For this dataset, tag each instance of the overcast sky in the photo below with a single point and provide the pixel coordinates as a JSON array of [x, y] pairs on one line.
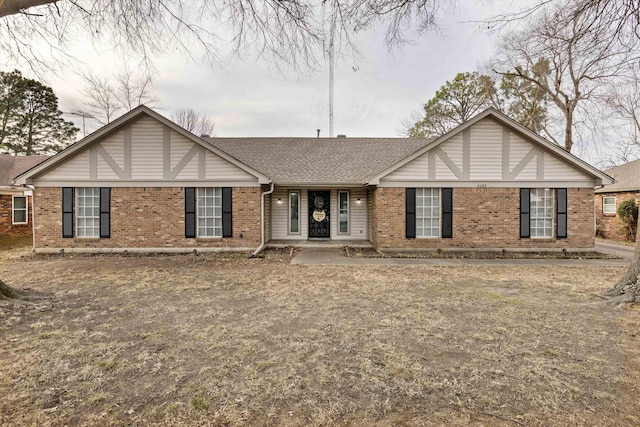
[[375, 94]]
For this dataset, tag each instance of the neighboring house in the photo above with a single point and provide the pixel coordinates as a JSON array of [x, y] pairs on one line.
[[15, 201], [608, 198], [142, 183]]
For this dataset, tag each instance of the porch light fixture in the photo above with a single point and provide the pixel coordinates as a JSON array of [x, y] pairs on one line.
[[279, 201], [358, 200]]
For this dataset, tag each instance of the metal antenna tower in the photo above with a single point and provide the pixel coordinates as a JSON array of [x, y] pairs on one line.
[[331, 66]]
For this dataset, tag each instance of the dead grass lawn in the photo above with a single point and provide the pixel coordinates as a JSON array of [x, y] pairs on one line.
[[204, 340]]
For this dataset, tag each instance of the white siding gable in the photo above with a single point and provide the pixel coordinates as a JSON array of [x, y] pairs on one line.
[[488, 154], [114, 148], [75, 168], [486, 149], [147, 149], [145, 152], [556, 169]]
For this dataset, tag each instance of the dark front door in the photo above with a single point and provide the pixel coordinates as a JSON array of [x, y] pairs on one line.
[[319, 214]]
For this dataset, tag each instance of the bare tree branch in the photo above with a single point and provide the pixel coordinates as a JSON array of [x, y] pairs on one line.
[[569, 56], [106, 99], [194, 122], [11, 7], [292, 32]]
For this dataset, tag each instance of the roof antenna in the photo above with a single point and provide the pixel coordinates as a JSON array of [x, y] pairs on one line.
[[331, 69], [318, 130]]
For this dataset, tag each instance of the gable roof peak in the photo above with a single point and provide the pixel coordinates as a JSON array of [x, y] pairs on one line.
[[122, 121], [507, 121]]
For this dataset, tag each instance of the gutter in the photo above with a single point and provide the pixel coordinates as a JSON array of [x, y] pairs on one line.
[[33, 214], [262, 222]]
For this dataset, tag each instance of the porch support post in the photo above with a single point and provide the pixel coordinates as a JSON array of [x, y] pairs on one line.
[[262, 222]]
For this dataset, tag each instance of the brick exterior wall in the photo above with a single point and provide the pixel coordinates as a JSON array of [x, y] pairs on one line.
[[6, 226], [482, 218], [147, 217], [609, 225]]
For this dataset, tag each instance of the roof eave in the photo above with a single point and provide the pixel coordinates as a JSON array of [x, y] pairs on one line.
[[606, 189], [318, 184]]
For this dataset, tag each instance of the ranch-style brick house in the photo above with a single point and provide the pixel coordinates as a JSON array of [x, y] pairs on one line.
[[608, 198], [142, 183], [15, 201]]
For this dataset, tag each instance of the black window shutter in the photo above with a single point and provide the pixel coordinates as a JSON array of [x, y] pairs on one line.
[[105, 212], [411, 213], [447, 213], [561, 213], [67, 212], [525, 202], [190, 212], [227, 228]]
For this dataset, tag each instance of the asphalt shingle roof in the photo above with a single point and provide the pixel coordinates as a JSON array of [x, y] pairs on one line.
[[627, 178], [12, 166], [319, 160]]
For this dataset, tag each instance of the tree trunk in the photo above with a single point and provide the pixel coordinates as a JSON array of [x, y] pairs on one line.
[[628, 287], [7, 292], [568, 131], [19, 295]]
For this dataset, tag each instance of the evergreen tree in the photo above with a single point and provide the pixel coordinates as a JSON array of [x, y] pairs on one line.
[[454, 103], [31, 123], [470, 93]]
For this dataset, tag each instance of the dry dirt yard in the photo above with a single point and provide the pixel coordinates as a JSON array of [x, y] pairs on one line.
[[211, 340]]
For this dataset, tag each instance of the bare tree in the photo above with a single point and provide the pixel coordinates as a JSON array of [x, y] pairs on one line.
[[194, 122], [107, 99], [623, 108], [624, 99], [615, 23], [287, 32], [569, 54], [100, 99], [133, 90]]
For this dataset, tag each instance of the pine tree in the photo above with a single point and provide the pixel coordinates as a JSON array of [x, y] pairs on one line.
[[31, 123], [470, 93]]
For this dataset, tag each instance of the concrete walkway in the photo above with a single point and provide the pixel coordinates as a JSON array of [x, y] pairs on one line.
[[337, 256], [625, 252]]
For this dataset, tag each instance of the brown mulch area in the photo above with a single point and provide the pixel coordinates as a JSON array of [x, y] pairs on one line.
[[434, 254]]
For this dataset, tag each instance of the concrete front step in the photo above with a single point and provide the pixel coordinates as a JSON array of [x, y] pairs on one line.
[[319, 243]]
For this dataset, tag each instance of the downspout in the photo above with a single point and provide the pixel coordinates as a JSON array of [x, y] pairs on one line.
[[595, 212], [33, 215], [262, 223]]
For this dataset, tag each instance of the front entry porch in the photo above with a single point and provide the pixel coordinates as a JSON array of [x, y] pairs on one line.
[[318, 243], [321, 217]]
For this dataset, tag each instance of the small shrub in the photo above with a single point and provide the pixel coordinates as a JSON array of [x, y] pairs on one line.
[[199, 403], [628, 214], [600, 228]]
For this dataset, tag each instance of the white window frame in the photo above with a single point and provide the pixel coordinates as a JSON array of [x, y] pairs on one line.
[[83, 231], [212, 222], [605, 204], [14, 209], [421, 197], [289, 212], [348, 212], [548, 194]]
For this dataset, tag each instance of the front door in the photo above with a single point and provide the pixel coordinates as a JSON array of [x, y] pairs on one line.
[[319, 214]]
